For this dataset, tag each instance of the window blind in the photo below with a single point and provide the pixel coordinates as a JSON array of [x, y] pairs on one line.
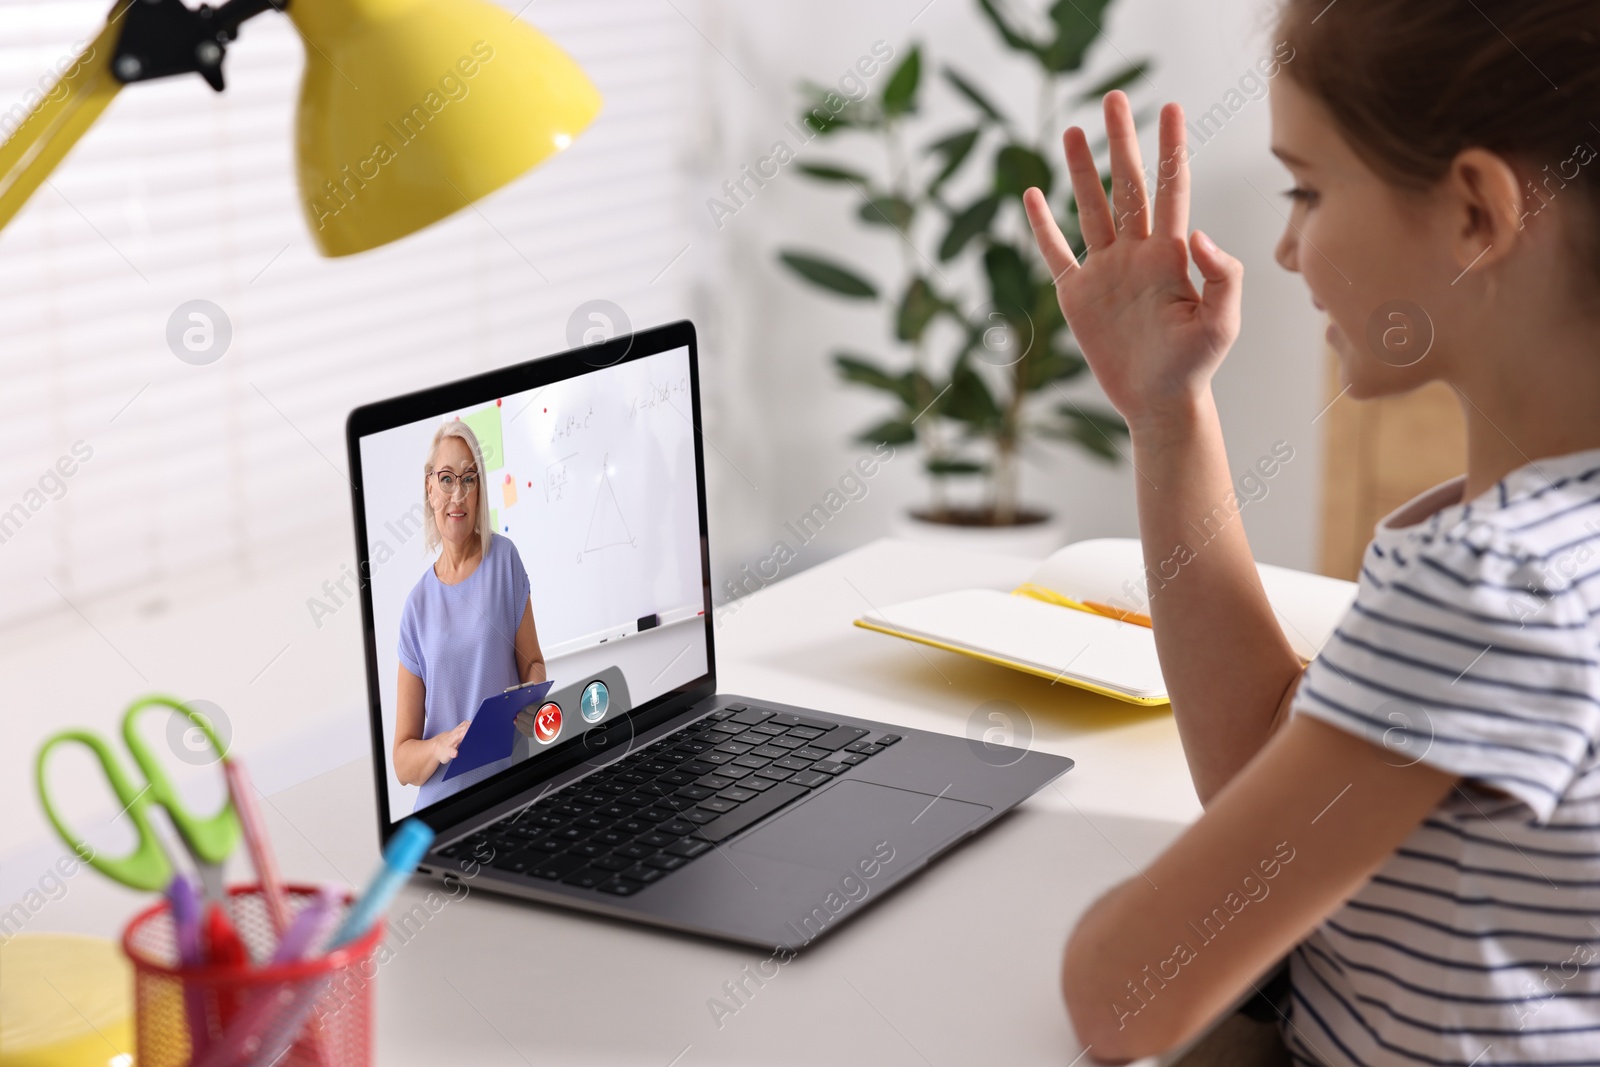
[[180, 194]]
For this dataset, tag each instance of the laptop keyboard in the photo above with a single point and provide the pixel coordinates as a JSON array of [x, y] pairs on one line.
[[637, 820]]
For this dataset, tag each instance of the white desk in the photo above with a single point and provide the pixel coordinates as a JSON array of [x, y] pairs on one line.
[[959, 967]]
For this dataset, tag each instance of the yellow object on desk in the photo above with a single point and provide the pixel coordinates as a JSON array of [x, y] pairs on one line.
[[65, 1001], [1100, 644]]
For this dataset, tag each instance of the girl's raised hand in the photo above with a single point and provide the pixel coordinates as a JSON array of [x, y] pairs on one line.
[[1152, 340]]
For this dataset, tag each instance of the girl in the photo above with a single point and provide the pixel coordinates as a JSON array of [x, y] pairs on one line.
[[1413, 819]]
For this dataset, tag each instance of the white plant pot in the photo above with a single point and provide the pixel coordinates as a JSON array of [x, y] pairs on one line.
[[1035, 540]]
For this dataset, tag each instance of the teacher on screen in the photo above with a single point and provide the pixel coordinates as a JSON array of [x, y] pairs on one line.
[[466, 632]]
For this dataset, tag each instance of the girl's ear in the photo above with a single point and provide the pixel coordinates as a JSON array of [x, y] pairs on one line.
[[1487, 205]]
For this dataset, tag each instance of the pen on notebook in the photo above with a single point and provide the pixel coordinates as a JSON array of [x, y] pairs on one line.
[[1094, 607], [259, 844], [1137, 618], [405, 850]]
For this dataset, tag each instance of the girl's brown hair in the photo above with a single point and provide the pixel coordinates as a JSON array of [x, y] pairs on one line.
[[1411, 83]]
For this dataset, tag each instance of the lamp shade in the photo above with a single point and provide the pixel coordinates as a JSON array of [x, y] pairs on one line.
[[412, 109]]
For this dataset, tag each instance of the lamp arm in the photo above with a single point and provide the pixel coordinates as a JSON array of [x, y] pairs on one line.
[[141, 40], [63, 115]]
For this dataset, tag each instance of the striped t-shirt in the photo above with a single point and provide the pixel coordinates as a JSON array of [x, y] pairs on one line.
[[1471, 647]]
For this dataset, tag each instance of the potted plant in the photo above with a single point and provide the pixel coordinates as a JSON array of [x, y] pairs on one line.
[[980, 369]]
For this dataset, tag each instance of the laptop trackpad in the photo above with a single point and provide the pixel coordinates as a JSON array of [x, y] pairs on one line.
[[840, 827]]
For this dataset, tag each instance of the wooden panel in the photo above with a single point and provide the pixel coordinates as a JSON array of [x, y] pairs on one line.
[[1377, 455]]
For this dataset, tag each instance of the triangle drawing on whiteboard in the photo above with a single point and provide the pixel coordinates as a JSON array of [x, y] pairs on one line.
[[607, 527]]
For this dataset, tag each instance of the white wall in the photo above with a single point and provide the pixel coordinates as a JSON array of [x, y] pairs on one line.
[[777, 405], [778, 421]]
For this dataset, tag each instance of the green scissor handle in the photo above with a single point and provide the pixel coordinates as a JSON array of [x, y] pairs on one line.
[[212, 838], [147, 867]]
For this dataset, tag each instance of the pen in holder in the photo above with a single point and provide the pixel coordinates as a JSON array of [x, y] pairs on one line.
[[326, 999]]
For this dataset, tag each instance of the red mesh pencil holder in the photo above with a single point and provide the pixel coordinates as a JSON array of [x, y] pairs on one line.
[[323, 1002]]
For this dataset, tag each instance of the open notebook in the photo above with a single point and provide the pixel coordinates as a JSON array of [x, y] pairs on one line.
[[1074, 620]]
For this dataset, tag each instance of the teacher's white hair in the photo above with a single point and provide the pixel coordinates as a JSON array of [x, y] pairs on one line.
[[430, 529]]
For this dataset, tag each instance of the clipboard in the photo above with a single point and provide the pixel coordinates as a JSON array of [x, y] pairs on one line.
[[493, 732]]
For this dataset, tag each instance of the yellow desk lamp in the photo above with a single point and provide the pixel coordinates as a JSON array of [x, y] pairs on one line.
[[409, 109]]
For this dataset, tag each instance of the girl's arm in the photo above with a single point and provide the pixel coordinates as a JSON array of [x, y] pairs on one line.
[[1228, 666], [1289, 839], [416, 757], [1153, 342]]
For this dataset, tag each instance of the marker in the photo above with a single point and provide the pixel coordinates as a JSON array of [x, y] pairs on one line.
[[304, 932], [405, 850], [260, 845], [224, 949], [184, 899], [308, 929]]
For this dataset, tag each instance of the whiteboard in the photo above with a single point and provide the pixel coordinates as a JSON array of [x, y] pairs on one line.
[[593, 479], [597, 488]]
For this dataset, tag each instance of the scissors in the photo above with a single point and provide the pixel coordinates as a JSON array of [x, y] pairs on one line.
[[149, 867]]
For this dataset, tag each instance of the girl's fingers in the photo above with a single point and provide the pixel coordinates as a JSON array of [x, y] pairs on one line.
[[1128, 196], [1223, 273], [1172, 177], [1094, 214], [1052, 245]]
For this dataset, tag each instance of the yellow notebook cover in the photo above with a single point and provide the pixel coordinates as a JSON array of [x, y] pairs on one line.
[[1081, 619]]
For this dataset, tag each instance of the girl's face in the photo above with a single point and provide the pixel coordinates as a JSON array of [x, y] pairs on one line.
[[455, 510], [1376, 258]]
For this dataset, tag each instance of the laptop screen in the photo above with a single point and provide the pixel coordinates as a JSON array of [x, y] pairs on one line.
[[547, 535]]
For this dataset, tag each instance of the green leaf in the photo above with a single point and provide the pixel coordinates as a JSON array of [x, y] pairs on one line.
[[919, 304], [891, 432], [954, 150], [941, 468], [829, 275], [967, 224], [853, 368], [1048, 365], [970, 91], [825, 120], [969, 400], [1010, 283], [1012, 37], [1046, 306], [1120, 80], [1094, 430], [1078, 23], [828, 173], [1085, 439], [1017, 167], [911, 387], [822, 124], [900, 94], [888, 211], [1106, 422]]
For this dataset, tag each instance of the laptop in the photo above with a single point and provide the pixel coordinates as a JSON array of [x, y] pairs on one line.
[[631, 786]]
